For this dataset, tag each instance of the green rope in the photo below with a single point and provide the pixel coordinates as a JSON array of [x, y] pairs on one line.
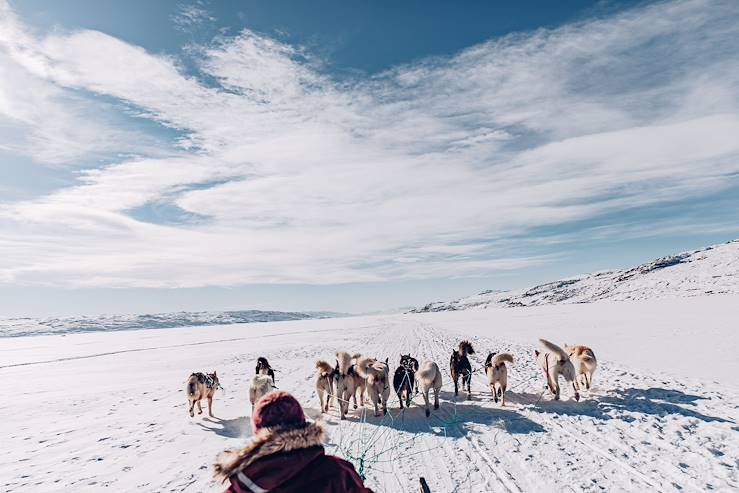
[[369, 450]]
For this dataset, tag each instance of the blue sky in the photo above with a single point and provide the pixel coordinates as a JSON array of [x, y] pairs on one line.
[[354, 156]]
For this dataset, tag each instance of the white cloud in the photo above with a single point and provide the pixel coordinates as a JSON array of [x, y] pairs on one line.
[[421, 171], [52, 125], [190, 16]]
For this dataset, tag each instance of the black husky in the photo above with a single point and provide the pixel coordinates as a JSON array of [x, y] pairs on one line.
[[264, 368], [460, 367], [404, 380]]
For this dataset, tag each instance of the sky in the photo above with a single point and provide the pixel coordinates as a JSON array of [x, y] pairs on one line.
[[354, 156]]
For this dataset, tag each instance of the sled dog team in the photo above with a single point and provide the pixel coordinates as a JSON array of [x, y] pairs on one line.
[[354, 377], [355, 374]]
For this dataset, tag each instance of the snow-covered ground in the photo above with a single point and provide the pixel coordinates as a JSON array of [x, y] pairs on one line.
[[84, 411], [707, 271]]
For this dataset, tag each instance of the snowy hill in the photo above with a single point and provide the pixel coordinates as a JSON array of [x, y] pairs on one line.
[[711, 270], [16, 327]]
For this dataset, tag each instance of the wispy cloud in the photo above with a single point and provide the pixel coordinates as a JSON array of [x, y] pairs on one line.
[[190, 16], [415, 172]]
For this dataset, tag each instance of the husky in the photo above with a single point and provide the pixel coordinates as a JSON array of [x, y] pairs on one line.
[[360, 384], [404, 380], [201, 386], [377, 375], [497, 373], [324, 384], [555, 362], [344, 381], [264, 368], [460, 366], [429, 377], [261, 385], [583, 358]]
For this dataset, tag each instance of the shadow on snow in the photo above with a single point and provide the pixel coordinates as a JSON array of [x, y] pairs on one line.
[[622, 404], [229, 428]]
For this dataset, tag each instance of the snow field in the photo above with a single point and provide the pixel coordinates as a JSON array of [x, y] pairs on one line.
[[110, 410]]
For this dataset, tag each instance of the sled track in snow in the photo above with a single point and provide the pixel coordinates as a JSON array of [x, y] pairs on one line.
[[505, 478]]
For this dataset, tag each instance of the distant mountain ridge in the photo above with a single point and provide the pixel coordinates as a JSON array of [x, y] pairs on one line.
[[17, 327], [710, 270]]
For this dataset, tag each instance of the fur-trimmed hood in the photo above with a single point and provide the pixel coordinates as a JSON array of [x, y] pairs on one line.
[[269, 441], [287, 460]]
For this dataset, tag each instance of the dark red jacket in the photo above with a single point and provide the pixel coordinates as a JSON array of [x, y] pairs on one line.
[[289, 461]]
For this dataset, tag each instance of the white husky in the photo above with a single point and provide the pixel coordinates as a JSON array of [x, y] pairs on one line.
[[260, 386], [585, 363], [555, 362], [377, 375], [497, 373], [344, 381], [360, 384], [429, 377]]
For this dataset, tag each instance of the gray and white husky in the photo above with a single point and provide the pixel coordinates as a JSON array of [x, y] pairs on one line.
[[428, 377], [555, 362], [497, 373]]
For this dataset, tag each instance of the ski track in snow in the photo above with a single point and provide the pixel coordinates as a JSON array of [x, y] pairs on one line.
[[120, 419]]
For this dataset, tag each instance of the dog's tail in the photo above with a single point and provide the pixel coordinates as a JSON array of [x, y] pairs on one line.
[[588, 354], [364, 367], [323, 367], [344, 360], [553, 348], [500, 358], [428, 371], [466, 346]]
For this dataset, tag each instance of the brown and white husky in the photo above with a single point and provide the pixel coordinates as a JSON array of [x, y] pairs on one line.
[[201, 386], [324, 384], [497, 373], [377, 375], [555, 362], [583, 358]]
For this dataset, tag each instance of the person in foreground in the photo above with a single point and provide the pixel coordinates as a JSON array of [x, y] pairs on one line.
[[285, 455]]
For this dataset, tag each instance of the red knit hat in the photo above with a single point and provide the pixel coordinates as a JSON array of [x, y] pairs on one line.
[[277, 409]]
